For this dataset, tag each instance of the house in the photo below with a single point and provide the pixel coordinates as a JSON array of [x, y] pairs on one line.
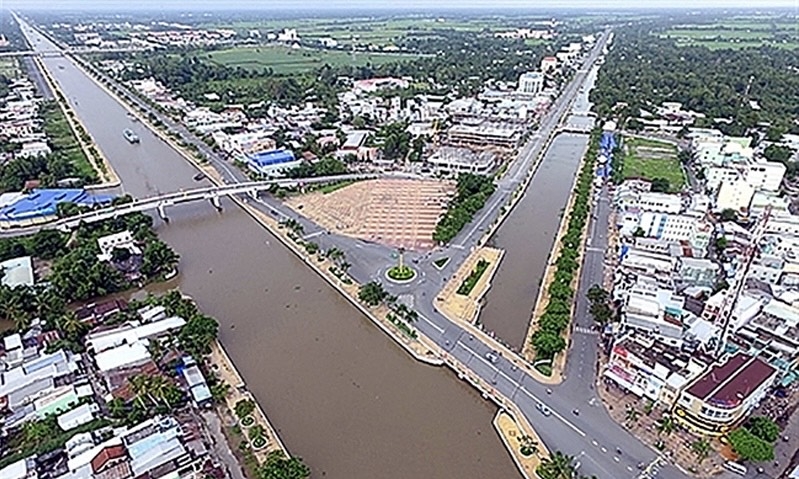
[[122, 240], [17, 272], [272, 163], [132, 332], [725, 394], [195, 382], [34, 378]]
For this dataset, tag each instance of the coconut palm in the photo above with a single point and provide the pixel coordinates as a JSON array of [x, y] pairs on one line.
[[631, 415], [70, 326], [557, 466], [527, 445], [666, 425], [701, 448]]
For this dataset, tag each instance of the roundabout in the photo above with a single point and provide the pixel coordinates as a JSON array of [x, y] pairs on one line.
[[401, 274]]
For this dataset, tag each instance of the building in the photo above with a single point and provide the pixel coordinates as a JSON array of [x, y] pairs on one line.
[[735, 195], [648, 368], [41, 205], [34, 378], [548, 64], [676, 228], [121, 240], [531, 82], [485, 134], [272, 163], [452, 160], [130, 333], [725, 394], [17, 272]]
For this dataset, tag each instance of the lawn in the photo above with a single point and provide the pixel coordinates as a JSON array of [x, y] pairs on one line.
[[285, 60], [650, 159], [63, 139]]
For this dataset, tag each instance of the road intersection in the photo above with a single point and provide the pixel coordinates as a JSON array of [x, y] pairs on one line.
[[577, 423]]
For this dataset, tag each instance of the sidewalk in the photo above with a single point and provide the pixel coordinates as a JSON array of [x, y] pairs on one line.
[[676, 446]]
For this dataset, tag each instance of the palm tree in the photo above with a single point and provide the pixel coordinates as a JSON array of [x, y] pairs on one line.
[[557, 466], [666, 425], [631, 415], [701, 448], [70, 326], [527, 445], [49, 304]]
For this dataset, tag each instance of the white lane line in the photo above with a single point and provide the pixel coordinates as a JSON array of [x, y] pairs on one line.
[[437, 328], [313, 235], [521, 388]]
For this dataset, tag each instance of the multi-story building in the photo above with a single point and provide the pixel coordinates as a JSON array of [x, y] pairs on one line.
[[449, 159], [647, 368], [773, 335], [735, 195], [485, 134], [531, 82], [725, 394], [676, 228]]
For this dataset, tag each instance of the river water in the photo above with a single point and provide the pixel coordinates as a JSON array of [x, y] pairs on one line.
[[340, 393], [527, 236]]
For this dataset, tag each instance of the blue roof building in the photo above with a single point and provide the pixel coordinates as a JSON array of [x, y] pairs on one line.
[[273, 162], [41, 205]]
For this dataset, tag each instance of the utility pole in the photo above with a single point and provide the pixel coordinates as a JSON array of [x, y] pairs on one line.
[[739, 281]]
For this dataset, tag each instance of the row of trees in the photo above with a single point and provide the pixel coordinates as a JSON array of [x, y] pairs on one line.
[[472, 192], [600, 308], [548, 339]]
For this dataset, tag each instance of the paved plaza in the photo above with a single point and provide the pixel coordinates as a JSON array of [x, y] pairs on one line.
[[401, 213]]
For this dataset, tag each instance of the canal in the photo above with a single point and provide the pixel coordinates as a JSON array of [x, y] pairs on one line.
[[341, 394], [528, 234]]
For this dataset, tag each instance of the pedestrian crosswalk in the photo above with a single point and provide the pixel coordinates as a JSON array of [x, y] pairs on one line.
[[652, 469], [584, 330]]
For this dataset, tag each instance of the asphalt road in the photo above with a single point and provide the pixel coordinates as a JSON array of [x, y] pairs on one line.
[[601, 447]]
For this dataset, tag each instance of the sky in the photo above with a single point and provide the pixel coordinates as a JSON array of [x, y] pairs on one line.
[[195, 5]]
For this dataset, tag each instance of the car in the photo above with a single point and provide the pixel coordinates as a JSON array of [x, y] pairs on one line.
[[544, 409], [491, 356]]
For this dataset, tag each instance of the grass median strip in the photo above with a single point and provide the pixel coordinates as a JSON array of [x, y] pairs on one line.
[[469, 283]]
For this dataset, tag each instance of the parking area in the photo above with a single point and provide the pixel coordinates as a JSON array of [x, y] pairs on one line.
[[397, 212]]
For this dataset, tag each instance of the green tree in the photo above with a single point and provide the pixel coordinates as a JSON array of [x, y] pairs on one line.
[[598, 294], [244, 407], [728, 214], [631, 415], [557, 466], [372, 293], [278, 466], [764, 428], [660, 185], [547, 344], [749, 446], [666, 425], [159, 258], [778, 153], [197, 335]]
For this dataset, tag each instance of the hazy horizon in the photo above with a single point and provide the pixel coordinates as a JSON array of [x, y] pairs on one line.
[[287, 5]]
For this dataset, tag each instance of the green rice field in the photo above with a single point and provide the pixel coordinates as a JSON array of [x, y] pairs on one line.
[[286, 60]]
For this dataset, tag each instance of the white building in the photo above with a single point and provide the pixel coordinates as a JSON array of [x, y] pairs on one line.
[[121, 240], [662, 202], [461, 160], [765, 175], [735, 195], [676, 228], [531, 82], [17, 272]]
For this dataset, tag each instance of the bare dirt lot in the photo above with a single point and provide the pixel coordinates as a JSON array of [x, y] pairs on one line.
[[396, 212]]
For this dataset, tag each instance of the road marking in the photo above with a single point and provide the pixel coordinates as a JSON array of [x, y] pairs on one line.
[[438, 328], [313, 235]]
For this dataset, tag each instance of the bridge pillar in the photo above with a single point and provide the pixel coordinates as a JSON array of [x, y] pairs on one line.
[[215, 202], [162, 212]]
